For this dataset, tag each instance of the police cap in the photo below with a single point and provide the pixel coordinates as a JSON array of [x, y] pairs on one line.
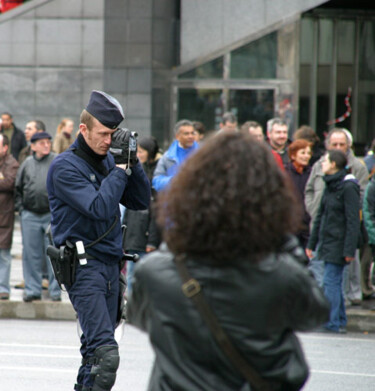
[[106, 109]]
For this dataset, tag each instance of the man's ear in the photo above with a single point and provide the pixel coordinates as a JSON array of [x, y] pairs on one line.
[[83, 129]]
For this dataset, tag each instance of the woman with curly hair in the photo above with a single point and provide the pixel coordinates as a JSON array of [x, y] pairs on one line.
[[226, 214]]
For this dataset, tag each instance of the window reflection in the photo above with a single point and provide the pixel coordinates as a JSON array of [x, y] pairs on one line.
[[201, 105], [210, 70], [257, 60], [366, 95], [252, 105]]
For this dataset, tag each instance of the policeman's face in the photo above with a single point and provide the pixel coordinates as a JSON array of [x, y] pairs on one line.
[[41, 147], [30, 130], [98, 138], [6, 121], [186, 136]]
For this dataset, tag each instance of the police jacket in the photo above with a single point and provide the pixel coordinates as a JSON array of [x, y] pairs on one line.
[[259, 305], [85, 203], [337, 224], [31, 190]]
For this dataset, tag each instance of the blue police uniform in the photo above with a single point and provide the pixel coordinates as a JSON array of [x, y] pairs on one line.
[[84, 204]]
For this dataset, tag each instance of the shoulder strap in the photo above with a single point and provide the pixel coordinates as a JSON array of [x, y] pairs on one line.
[[193, 291], [104, 235]]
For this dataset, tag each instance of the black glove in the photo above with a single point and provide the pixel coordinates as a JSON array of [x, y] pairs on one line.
[[124, 146]]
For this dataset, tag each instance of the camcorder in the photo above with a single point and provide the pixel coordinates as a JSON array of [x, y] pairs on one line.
[[124, 147]]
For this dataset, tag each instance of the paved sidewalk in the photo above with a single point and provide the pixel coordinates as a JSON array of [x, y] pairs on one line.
[[360, 318], [16, 308]]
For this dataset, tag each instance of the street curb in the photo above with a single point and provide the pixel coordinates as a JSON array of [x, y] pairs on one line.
[[361, 320], [36, 310]]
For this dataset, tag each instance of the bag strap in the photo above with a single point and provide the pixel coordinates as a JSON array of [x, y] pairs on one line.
[[104, 235], [193, 291]]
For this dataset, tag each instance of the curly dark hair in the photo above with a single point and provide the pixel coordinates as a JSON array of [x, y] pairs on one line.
[[229, 200]]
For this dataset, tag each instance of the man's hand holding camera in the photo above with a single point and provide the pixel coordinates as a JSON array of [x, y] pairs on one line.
[[124, 149]]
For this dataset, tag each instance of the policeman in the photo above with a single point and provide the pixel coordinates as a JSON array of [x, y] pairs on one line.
[[85, 188]]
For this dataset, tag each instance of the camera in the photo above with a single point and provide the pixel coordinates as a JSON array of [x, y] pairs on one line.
[[124, 146]]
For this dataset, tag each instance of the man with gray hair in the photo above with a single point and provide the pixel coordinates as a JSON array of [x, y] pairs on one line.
[[179, 150], [277, 134], [337, 138]]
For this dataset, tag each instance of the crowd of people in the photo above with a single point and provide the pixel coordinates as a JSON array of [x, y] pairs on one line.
[[350, 238], [25, 158], [220, 204]]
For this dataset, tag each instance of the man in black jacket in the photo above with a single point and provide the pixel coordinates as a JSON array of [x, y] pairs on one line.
[[14, 134]]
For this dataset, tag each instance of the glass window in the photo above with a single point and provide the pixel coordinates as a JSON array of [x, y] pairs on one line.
[[322, 101], [367, 52], [210, 70], [366, 95], [345, 80], [304, 95], [252, 105], [160, 109], [307, 41], [346, 40], [257, 60], [204, 105], [325, 41], [366, 117]]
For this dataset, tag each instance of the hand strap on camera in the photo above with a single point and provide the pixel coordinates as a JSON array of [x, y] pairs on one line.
[[192, 290]]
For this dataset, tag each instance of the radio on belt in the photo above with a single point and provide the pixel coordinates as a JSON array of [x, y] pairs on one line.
[[81, 252]]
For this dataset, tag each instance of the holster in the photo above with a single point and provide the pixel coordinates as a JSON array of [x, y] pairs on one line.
[[64, 261]]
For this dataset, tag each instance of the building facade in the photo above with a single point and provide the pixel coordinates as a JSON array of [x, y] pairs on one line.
[[308, 61]]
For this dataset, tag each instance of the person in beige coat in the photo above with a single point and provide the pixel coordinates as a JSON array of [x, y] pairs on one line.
[[63, 139]]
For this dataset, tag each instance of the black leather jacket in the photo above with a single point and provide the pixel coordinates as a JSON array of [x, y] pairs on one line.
[[258, 305]]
